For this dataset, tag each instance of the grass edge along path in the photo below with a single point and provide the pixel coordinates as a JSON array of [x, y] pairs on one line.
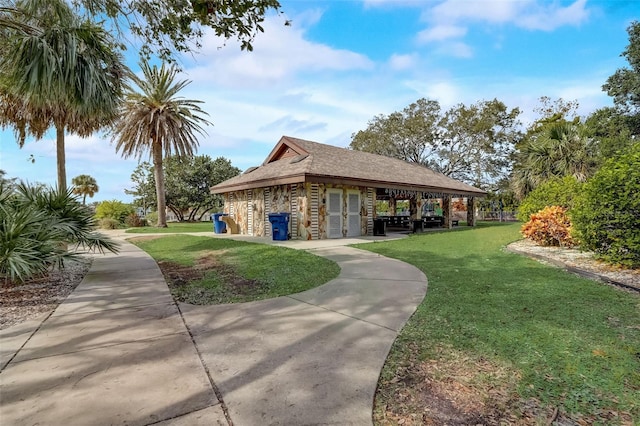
[[502, 338], [203, 270], [173, 228]]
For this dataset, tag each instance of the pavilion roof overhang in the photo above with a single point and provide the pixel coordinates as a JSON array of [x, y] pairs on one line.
[[336, 180], [296, 161]]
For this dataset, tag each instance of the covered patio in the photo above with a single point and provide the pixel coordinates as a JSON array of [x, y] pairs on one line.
[[332, 192]]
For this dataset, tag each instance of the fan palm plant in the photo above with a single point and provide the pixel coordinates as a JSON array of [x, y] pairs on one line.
[[157, 121], [41, 228], [84, 185], [560, 149], [57, 71]]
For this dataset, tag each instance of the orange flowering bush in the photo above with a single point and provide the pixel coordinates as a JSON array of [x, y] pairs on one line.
[[459, 205], [549, 227]]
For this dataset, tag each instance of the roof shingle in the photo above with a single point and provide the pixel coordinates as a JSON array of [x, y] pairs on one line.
[[320, 162]]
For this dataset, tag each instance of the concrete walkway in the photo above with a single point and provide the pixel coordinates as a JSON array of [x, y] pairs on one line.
[[117, 351]]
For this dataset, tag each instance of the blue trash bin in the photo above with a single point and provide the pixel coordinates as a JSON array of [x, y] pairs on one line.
[[219, 227], [279, 226]]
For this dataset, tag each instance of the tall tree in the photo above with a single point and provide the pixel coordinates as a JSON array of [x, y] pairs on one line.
[[144, 190], [411, 134], [611, 130], [169, 26], [57, 70], [188, 181], [477, 142], [157, 121], [551, 110], [84, 185], [470, 143], [624, 85]]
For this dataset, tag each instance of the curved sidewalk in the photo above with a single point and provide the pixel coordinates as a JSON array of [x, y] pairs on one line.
[[117, 350]]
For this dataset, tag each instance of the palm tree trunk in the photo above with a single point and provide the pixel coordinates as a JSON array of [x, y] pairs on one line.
[[159, 175], [62, 171]]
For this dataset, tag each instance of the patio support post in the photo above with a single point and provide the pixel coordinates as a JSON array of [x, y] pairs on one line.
[[392, 206], [447, 211], [471, 211], [413, 209]]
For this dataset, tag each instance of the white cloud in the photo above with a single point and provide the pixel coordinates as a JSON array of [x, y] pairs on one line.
[[529, 14], [441, 32], [494, 11], [280, 54], [450, 19], [399, 62], [392, 3], [554, 16], [446, 92], [456, 49]]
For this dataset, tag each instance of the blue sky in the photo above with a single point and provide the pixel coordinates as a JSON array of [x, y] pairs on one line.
[[342, 62]]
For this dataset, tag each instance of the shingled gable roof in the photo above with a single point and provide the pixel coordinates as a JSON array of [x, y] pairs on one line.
[[295, 160]]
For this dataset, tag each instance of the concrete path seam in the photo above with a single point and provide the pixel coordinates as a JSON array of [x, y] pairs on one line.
[[26, 341], [342, 314], [215, 388]]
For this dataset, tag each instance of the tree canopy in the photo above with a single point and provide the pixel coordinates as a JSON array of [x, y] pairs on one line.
[[169, 26], [470, 143], [624, 85], [84, 185], [57, 70], [187, 183]]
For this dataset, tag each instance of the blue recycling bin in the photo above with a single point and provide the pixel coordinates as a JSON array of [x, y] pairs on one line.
[[279, 226], [219, 227]]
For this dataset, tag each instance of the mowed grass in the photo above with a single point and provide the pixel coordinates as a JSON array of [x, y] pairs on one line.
[[565, 341], [174, 227], [237, 271]]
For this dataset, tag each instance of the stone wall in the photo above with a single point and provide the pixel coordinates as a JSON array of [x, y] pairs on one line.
[[280, 200], [303, 213], [235, 205], [258, 212]]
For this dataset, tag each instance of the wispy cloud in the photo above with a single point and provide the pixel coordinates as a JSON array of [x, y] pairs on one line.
[[450, 19], [399, 62], [441, 32], [529, 14], [280, 53]]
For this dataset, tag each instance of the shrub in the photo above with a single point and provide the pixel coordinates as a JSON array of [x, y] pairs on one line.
[[135, 221], [114, 209], [607, 217], [549, 227], [109, 224], [152, 218], [561, 192], [40, 228], [459, 205]]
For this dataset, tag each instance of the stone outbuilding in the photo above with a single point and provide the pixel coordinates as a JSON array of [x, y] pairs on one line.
[[331, 192]]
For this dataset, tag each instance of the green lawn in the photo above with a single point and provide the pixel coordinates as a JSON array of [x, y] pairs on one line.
[[552, 338], [236, 271], [174, 227]]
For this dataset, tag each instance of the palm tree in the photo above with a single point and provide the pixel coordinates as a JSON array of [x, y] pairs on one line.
[[58, 71], [84, 185], [158, 121], [560, 149]]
